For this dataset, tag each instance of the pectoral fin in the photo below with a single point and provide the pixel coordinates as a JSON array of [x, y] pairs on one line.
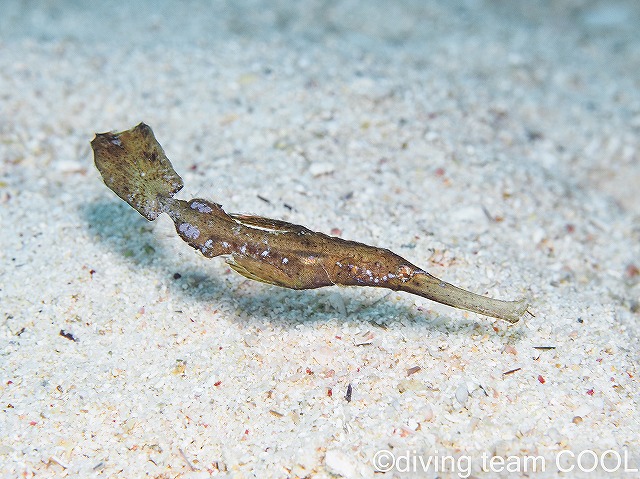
[[258, 270]]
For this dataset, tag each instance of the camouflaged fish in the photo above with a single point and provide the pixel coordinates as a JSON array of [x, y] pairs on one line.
[[134, 165]]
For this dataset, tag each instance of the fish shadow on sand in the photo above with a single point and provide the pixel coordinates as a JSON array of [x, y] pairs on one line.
[[118, 228]]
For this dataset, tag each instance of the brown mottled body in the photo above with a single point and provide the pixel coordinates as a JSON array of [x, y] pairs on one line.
[[135, 167], [283, 253]]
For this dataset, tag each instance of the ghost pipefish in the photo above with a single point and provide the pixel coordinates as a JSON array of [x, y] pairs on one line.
[[134, 165]]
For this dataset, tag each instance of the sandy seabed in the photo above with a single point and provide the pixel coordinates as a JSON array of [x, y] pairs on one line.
[[494, 143]]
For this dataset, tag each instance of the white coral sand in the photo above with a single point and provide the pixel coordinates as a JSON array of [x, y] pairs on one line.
[[495, 143]]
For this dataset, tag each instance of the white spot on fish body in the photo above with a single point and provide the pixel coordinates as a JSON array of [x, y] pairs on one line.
[[201, 207], [285, 260], [189, 230], [225, 244], [265, 253], [243, 249]]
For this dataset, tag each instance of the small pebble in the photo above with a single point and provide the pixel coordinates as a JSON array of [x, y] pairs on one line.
[[462, 393], [427, 413], [321, 168], [340, 464]]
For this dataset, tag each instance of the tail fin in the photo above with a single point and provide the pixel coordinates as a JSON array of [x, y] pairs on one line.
[[435, 289], [133, 165]]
